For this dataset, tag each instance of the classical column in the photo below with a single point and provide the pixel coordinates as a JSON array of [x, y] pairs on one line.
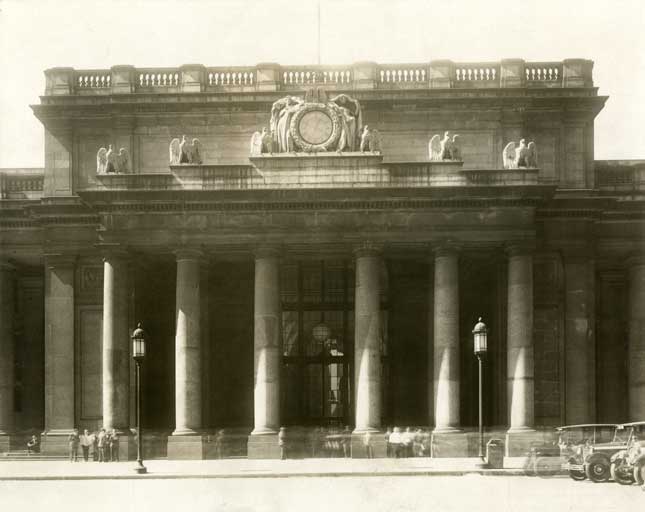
[[7, 300], [116, 341], [188, 383], [636, 350], [59, 351], [580, 372], [446, 339], [520, 338], [267, 342], [367, 339]]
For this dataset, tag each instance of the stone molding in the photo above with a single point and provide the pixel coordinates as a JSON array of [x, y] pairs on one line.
[[189, 253], [520, 248], [446, 248], [367, 248], [60, 260], [636, 259], [268, 251]]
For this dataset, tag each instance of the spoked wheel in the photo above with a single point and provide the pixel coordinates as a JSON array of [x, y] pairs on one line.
[[639, 474], [621, 473], [577, 475], [544, 467], [597, 471]]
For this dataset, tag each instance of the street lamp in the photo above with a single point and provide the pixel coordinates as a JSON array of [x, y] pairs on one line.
[[480, 345], [138, 353]]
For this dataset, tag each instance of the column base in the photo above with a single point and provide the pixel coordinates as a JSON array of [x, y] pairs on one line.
[[264, 446], [186, 446], [379, 446], [55, 442], [449, 443], [519, 440]]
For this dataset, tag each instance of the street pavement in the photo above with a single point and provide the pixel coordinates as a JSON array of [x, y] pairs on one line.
[[391, 493]]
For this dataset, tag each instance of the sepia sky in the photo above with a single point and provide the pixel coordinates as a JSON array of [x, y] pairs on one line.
[[39, 34]]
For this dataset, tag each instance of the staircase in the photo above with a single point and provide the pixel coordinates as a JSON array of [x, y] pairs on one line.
[[25, 455]]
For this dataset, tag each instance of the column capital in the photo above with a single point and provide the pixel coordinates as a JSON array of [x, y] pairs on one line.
[[267, 251], [113, 250], [367, 248], [520, 248], [53, 260], [446, 248], [189, 253], [635, 259]]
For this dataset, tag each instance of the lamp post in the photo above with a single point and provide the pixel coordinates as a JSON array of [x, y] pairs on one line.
[[138, 353], [480, 345]]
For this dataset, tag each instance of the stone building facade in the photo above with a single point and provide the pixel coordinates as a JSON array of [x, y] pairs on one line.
[[321, 289]]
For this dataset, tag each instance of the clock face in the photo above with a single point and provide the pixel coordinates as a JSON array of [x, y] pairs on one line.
[[315, 127]]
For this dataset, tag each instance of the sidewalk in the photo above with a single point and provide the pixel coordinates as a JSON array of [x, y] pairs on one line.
[[244, 468]]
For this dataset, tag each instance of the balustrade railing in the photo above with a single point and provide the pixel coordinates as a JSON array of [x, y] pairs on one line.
[[476, 75], [273, 77], [223, 77], [21, 184], [308, 76]]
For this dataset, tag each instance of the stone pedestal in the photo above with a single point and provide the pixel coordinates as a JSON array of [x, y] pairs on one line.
[[449, 444], [446, 340], [367, 339], [267, 339], [520, 343], [7, 300], [636, 357], [116, 342], [579, 336], [187, 447], [263, 446], [59, 351], [188, 382]]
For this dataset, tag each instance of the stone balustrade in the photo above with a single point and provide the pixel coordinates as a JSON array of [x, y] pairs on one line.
[[364, 75], [21, 184], [620, 175]]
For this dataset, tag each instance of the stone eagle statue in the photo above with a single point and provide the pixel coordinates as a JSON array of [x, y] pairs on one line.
[[108, 161], [519, 155], [261, 142], [185, 152], [370, 140], [446, 148]]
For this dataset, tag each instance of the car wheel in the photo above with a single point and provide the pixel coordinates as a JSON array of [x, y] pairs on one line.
[[639, 473], [621, 473], [544, 467], [597, 470], [577, 475]]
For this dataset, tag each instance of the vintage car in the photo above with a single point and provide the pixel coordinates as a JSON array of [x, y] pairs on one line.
[[628, 465], [587, 449]]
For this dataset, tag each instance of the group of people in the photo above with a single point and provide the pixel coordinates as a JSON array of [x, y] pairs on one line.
[[100, 446], [405, 443]]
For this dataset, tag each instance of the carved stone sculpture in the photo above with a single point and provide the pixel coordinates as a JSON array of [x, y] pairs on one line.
[[261, 142], [195, 152], [111, 157], [174, 152], [370, 140], [313, 124], [101, 161], [184, 151], [446, 148], [519, 155], [123, 161]]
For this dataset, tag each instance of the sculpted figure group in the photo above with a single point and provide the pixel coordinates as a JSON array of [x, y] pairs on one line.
[[446, 148], [519, 155], [186, 152], [109, 162], [348, 132]]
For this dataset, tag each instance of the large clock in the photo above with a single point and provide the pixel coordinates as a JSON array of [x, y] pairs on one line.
[[315, 127]]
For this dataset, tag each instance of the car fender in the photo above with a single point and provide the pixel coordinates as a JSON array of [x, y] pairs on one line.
[[597, 457]]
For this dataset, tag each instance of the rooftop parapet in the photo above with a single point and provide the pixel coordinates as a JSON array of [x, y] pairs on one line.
[[438, 74]]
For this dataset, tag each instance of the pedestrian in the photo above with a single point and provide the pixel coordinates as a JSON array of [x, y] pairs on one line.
[[114, 446], [367, 443], [282, 443], [406, 442], [95, 445], [346, 441], [219, 441], [74, 441], [388, 447], [395, 442], [102, 444], [86, 442], [33, 445]]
